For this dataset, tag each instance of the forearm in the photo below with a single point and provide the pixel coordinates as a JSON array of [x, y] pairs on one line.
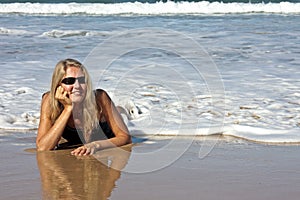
[[50, 139], [113, 142], [92, 147]]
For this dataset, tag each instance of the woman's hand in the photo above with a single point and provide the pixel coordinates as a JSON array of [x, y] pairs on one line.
[[86, 149], [63, 96]]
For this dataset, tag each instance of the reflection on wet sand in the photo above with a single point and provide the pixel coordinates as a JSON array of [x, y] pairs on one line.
[[65, 176]]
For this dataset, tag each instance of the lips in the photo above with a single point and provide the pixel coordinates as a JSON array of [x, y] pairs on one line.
[[77, 93]]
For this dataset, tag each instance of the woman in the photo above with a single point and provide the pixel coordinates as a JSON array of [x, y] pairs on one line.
[[74, 112]]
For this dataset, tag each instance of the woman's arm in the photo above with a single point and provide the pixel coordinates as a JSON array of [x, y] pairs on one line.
[[114, 120], [50, 134], [116, 123]]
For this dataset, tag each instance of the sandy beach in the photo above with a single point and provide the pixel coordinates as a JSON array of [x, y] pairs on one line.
[[233, 169]]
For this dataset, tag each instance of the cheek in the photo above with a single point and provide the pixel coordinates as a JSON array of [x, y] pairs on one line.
[[68, 88], [84, 88]]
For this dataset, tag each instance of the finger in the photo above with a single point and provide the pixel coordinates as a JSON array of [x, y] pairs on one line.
[[87, 152], [68, 94], [92, 151], [65, 95], [82, 152], [59, 92], [77, 151], [74, 152]]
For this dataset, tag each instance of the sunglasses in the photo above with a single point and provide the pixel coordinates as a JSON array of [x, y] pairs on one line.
[[72, 80]]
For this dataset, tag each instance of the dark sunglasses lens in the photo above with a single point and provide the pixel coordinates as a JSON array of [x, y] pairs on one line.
[[81, 79], [69, 81]]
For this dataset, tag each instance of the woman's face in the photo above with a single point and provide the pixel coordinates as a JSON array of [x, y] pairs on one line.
[[77, 89]]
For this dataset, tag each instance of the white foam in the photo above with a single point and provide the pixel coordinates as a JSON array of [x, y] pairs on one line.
[[6, 31], [20, 96], [265, 135], [251, 133], [64, 33], [24, 122], [159, 8], [75, 33]]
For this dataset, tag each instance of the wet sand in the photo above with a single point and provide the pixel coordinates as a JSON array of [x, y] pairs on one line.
[[233, 169]]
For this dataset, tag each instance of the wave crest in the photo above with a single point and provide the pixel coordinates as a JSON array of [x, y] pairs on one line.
[[5, 31], [159, 8]]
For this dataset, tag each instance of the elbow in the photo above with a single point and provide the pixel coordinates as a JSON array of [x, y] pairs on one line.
[[128, 139], [40, 147], [125, 139]]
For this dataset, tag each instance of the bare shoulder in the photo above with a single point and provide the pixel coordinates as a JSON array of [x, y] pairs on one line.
[[100, 92], [102, 96], [45, 104], [46, 97]]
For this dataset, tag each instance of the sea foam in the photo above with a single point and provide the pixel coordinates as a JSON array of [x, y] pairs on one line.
[[158, 8]]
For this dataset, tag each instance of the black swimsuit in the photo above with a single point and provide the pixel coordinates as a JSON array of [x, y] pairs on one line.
[[75, 137]]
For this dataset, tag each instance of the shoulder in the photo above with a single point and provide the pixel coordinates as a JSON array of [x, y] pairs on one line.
[[101, 94], [46, 98], [46, 95], [45, 104]]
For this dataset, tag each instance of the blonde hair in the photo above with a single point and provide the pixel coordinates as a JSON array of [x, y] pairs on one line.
[[90, 108]]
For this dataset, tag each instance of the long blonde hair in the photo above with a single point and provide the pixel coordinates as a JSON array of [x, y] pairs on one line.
[[90, 108]]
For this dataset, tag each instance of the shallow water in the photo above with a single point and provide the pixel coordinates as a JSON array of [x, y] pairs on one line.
[[253, 92]]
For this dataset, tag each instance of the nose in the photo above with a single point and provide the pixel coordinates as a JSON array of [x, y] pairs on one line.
[[76, 84]]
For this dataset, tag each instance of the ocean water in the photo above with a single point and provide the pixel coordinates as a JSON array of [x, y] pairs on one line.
[[176, 67]]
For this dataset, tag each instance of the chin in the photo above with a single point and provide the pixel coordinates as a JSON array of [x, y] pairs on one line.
[[77, 99]]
